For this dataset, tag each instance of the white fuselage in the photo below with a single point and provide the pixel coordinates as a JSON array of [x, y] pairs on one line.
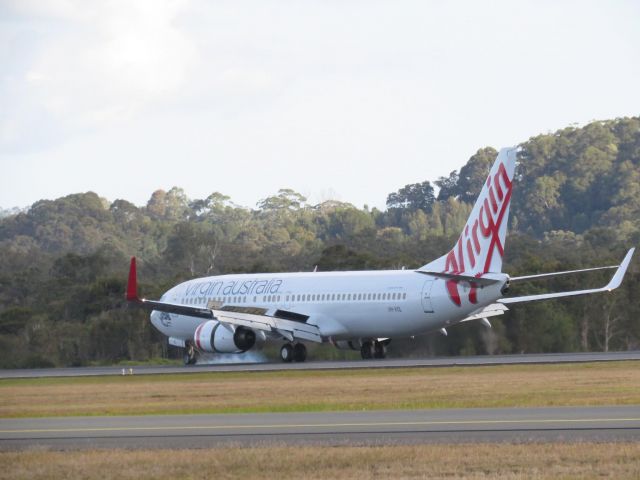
[[343, 305]]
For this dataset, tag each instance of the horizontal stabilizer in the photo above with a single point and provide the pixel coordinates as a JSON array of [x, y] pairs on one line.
[[461, 278], [614, 283], [488, 311]]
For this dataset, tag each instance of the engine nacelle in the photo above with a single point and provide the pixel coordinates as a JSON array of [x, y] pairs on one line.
[[347, 345], [214, 337]]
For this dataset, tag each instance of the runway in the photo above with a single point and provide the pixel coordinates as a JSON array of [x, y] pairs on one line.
[[480, 360], [326, 428]]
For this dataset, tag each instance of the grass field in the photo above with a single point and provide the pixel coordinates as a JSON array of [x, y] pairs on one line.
[[616, 383], [470, 461]]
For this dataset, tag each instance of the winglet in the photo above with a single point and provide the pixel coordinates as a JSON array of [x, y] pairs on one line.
[[132, 284], [616, 280]]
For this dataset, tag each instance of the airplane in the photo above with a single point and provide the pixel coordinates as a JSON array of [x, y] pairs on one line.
[[358, 310]]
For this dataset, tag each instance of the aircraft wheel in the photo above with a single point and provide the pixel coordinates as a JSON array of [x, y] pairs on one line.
[[367, 350], [286, 353], [299, 352], [189, 356], [379, 350]]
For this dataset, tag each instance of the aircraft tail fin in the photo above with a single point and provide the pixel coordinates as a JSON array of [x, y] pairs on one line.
[[480, 247]]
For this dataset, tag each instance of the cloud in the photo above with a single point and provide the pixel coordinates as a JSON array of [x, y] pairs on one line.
[[89, 65]]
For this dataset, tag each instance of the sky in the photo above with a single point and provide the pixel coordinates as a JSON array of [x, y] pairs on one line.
[[347, 100]]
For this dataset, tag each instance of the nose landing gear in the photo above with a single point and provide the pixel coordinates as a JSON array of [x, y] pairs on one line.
[[190, 355]]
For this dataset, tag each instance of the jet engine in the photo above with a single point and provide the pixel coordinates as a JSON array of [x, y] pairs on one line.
[[214, 337]]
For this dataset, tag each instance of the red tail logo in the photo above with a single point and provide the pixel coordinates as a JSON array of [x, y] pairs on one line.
[[468, 251]]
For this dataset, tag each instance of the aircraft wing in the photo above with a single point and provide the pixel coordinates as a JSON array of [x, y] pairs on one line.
[[293, 327], [289, 329], [614, 283]]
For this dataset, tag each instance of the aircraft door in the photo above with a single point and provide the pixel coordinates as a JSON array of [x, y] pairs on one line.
[[426, 297]]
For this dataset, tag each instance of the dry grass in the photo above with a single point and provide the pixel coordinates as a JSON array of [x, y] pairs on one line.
[[494, 386], [470, 461]]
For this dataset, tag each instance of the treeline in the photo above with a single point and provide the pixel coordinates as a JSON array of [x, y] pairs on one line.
[[576, 203]]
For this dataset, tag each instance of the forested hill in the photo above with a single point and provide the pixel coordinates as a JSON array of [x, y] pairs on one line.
[[576, 203]]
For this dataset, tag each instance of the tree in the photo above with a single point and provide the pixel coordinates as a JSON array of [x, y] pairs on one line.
[[474, 173], [415, 196], [576, 203], [448, 186], [171, 205], [212, 206], [286, 199]]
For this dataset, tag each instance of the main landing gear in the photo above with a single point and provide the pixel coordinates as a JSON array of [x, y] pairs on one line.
[[190, 355], [293, 352], [373, 349]]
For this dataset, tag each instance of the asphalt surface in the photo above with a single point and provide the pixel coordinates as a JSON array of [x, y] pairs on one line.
[[327, 365], [564, 424]]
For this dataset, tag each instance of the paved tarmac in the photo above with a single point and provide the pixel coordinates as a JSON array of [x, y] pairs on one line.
[[563, 424], [328, 365]]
